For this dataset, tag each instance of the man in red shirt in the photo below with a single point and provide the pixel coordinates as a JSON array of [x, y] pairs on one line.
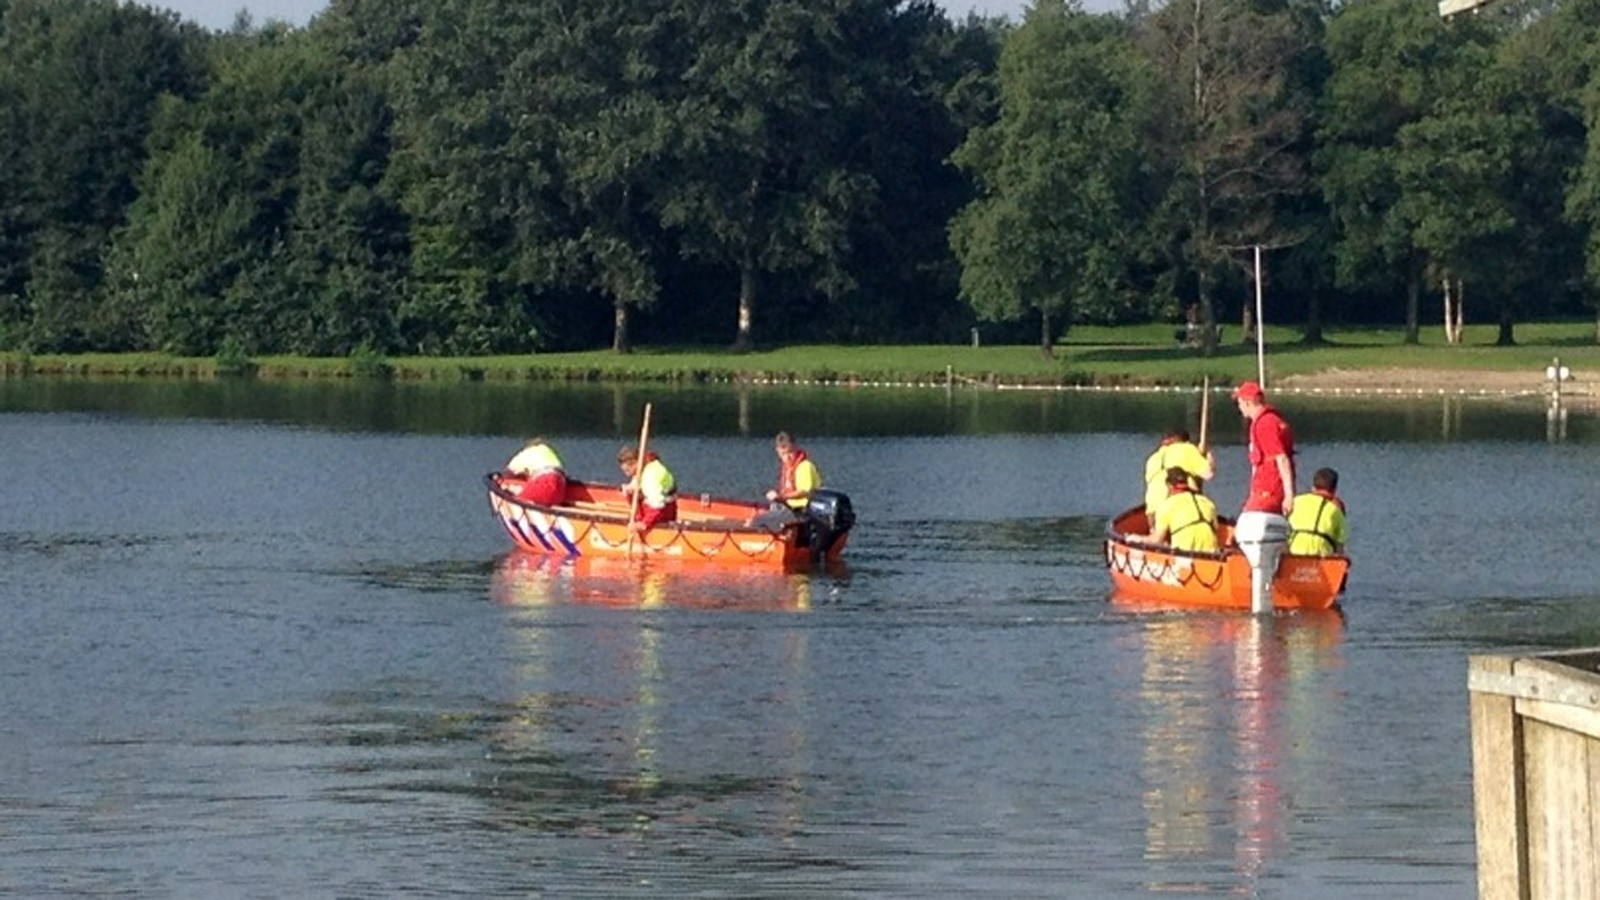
[[1263, 527]]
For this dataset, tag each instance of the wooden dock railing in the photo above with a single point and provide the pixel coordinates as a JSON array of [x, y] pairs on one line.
[[1536, 775]]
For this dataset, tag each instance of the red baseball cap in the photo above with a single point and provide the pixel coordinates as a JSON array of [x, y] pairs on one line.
[[1248, 391]]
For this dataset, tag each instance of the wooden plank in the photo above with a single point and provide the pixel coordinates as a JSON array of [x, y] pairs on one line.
[[1575, 719], [1547, 678], [1560, 833], [1591, 773], [1498, 803]]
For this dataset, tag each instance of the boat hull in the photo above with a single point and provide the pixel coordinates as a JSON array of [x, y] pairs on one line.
[[593, 523], [1158, 575]]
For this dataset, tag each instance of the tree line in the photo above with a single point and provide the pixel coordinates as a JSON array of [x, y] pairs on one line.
[[462, 177]]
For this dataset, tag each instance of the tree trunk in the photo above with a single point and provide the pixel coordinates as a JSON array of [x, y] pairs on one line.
[[1313, 320], [619, 328], [1450, 313], [1507, 322], [1047, 341], [1208, 319], [745, 341], [1413, 304]]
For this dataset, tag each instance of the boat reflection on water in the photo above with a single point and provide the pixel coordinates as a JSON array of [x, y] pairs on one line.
[[605, 735], [1231, 740], [525, 579]]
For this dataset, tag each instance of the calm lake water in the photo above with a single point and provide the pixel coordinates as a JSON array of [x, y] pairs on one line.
[[265, 640]]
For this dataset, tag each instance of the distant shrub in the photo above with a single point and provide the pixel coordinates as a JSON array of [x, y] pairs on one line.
[[367, 361], [232, 361]]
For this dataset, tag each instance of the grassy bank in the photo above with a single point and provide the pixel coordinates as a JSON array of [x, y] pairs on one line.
[[1138, 355]]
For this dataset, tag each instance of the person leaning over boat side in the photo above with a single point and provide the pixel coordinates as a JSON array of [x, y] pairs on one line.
[[1186, 519], [1175, 450], [545, 478], [1317, 524], [658, 490], [1263, 528]]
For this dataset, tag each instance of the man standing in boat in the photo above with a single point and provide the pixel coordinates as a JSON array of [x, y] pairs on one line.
[[1178, 450], [657, 489], [1263, 527], [544, 478]]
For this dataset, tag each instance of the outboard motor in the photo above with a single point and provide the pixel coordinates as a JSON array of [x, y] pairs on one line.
[[828, 517]]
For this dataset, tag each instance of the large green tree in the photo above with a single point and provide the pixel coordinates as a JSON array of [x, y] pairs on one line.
[[592, 95], [1059, 174], [204, 256], [1390, 61], [767, 180], [78, 82], [1235, 123], [1482, 173], [475, 196], [1576, 25]]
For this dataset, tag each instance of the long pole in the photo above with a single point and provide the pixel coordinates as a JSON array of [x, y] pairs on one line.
[[1261, 329], [1205, 412], [638, 470]]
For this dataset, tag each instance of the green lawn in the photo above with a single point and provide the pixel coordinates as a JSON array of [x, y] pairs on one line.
[[1145, 354]]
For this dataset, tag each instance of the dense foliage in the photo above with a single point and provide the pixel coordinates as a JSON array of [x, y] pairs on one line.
[[425, 177]]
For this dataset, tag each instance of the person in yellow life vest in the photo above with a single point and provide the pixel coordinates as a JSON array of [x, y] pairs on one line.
[[658, 490], [1176, 450], [544, 478], [1317, 525], [1187, 519], [798, 476]]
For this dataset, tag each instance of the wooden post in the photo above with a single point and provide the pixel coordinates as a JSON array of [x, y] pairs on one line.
[[1497, 788], [638, 471]]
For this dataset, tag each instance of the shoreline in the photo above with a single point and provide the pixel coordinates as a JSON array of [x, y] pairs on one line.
[[1397, 382]]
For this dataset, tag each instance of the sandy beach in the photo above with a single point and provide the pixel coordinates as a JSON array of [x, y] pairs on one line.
[[1419, 382]]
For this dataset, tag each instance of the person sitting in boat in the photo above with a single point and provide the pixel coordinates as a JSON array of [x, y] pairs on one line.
[[1317, 525], [1186, 519], [658, 490], [1175, 450], [545, 479], [798, 477]]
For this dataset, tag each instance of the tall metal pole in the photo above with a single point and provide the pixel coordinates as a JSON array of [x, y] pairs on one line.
[[1261, 329]]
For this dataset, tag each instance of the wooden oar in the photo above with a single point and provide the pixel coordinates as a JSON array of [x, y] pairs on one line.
[[1205, 412], [638, 480]]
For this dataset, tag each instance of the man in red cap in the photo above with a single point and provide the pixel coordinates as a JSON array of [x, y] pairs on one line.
[[1271, 452], [1263, 527]]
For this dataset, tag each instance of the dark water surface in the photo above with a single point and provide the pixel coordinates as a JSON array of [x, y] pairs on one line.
[[264, 640]]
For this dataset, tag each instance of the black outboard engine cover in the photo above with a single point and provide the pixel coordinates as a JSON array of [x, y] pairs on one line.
[[828, 517]]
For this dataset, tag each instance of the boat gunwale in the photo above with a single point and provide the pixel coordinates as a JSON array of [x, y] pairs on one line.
[[1228, 551], [710, 526]]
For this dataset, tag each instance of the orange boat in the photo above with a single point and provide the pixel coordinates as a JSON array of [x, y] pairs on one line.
[[593, 522], [1156, 574]]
